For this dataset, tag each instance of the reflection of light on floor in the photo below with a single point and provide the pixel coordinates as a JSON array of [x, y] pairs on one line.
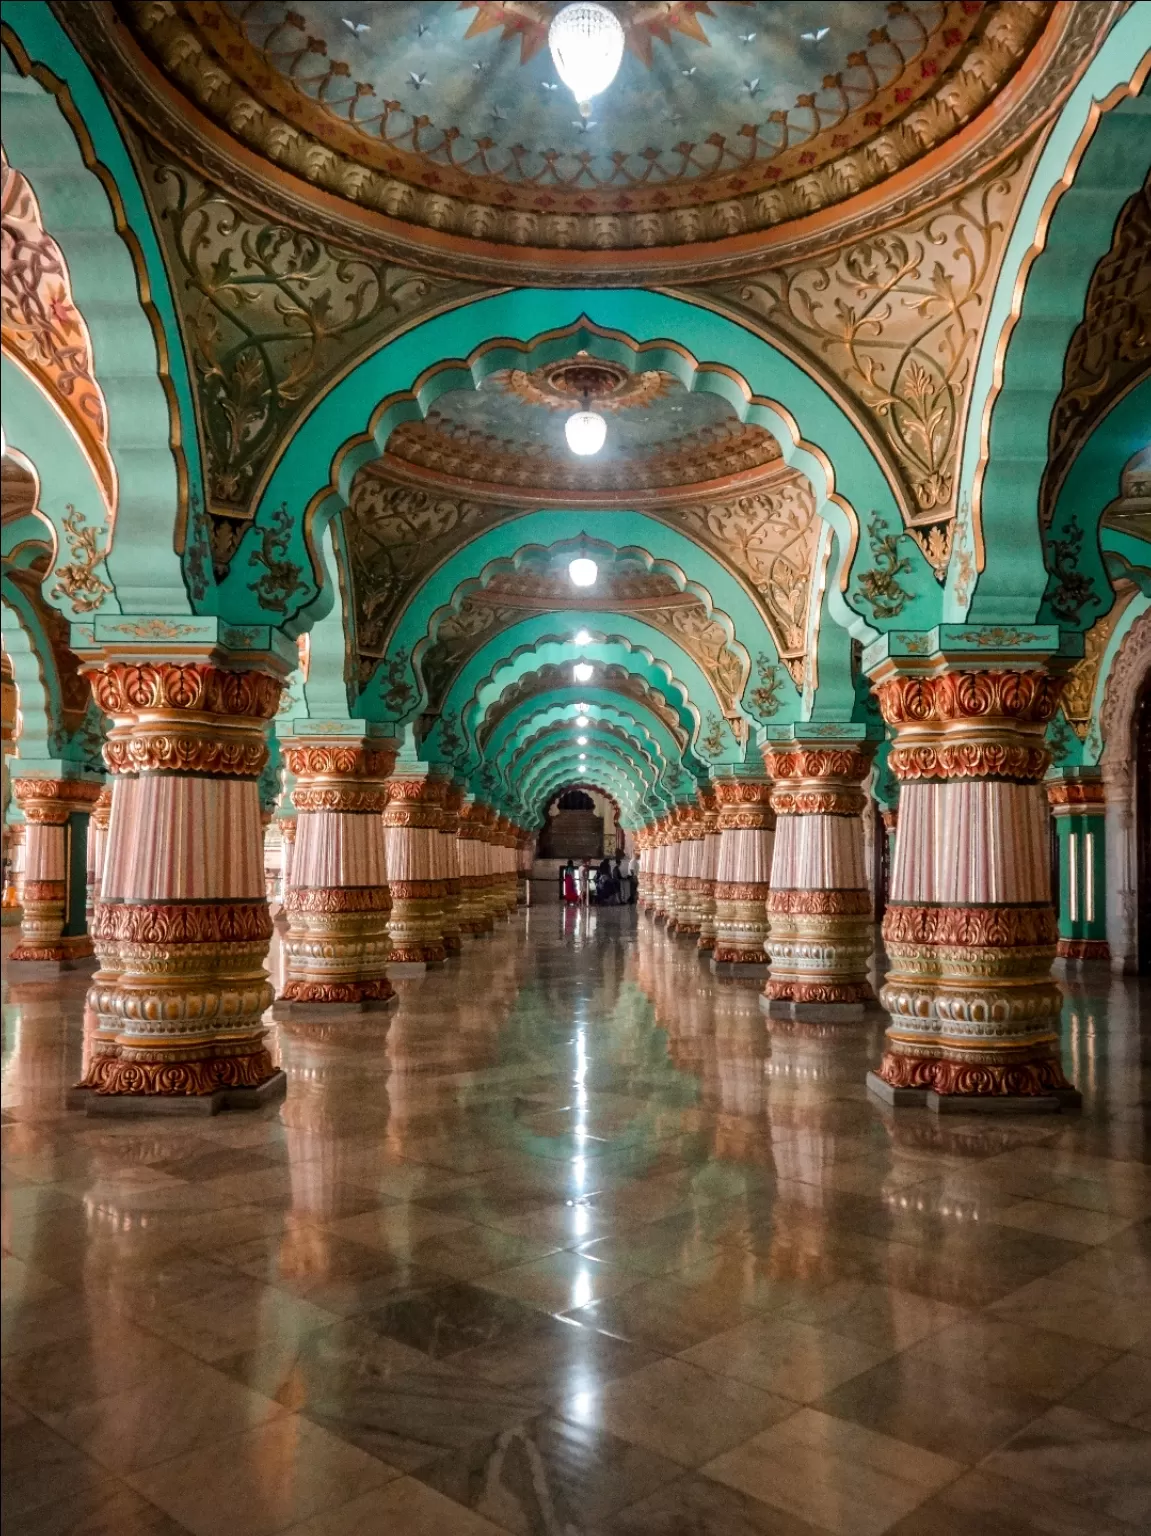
[[582, 1289]]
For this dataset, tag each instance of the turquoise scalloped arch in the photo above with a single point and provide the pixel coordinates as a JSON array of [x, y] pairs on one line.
[[705, 350], [1050, 257], [152, 435]]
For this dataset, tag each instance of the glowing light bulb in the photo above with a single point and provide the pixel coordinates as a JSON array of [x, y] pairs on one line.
[[581, 741], [583, 672], [582, 720], [586, 433], [583, 572], [583, 637], [586, 43], [583, 757]]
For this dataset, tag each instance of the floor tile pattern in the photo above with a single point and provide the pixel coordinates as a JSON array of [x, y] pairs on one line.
[[573, 1242]]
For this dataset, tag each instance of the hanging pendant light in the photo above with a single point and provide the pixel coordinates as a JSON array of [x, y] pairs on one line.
[[586, 431], [586, 43]]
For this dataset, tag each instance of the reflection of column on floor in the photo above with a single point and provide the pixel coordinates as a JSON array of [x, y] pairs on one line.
[[745, 826], [182, 925], [336, 950], [819, 909], [53, 924], [970, 930], [708, 868], [412, 824], [1078, 807]]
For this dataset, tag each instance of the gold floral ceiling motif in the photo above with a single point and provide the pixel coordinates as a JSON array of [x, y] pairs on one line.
[[1110, 351], [398, 533], [739, 118], [271, 315], [42, 328], [896, 319]]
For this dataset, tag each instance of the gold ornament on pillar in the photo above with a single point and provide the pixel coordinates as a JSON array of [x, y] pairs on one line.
[[970, 930], [413, 819], [745, 824], [819, 907], [48, 806], [337, 947], [182, 924]]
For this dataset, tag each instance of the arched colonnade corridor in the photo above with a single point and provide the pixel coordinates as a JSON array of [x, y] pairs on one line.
[[354, 1178]]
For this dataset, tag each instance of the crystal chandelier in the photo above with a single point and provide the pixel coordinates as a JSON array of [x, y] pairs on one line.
[[586, 43]]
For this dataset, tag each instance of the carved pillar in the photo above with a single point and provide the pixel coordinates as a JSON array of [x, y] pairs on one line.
[[709, 867], [688, 915], [288, 828], [819, 909], [449, 860], [337, 950], [745, 824], [639, 866], [503, 843], [660, 862], [969, 929], [14, 872], [54, 925], [1078, 806], [474, 918], [672, 837], [412, 832], [182, 925], [97, 846]]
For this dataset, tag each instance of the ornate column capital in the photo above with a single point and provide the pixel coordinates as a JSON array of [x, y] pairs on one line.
[[50, 801], [339, 774]]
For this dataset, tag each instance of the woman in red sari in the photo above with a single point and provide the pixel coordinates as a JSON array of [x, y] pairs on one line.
[[568, 876]]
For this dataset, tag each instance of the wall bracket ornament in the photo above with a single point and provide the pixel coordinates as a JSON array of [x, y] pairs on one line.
[[77, 580]]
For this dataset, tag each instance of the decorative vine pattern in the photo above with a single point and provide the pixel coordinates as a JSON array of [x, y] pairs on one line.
[[1070, 591], [879, 585], [897, 318], [77, 580], [281, 579], [42, 325], [764, 697], [271, 314]]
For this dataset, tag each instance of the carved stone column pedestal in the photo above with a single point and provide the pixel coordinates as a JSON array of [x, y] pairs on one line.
[[745, 825], [412, 823], [1077, 798], [472, 855], [182, 924], [819, 909], [337, 904], [709, 866], [969, 929], [53, 924], [449, 863]]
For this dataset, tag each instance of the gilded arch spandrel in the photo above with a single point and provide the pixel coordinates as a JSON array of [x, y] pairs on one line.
[[893, 322]]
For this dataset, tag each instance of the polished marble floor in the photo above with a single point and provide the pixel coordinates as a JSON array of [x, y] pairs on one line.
[[571, 1241]]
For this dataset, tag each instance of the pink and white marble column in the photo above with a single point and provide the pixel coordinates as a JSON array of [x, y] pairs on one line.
[[182, 924], [337, 948], [709, 867], [474, 916], [745, 824], [412, 825], [819, 909], [97, 846], [53, 929], [449, 863]]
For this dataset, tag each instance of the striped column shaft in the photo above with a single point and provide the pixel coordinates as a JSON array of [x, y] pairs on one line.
[[413, 821], [55, 810], [819, 909], [182, 925], [337, 903], [709, 868], [970, 930], [745, 824]]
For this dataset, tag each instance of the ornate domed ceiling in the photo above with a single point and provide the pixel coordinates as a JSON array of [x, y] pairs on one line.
[[508, 435], [445, 128]]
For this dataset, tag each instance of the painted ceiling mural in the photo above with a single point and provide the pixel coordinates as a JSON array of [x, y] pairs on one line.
[[335, 187], [725, 119]]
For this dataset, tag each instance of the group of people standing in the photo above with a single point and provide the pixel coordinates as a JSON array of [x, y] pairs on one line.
[[610, 884]]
